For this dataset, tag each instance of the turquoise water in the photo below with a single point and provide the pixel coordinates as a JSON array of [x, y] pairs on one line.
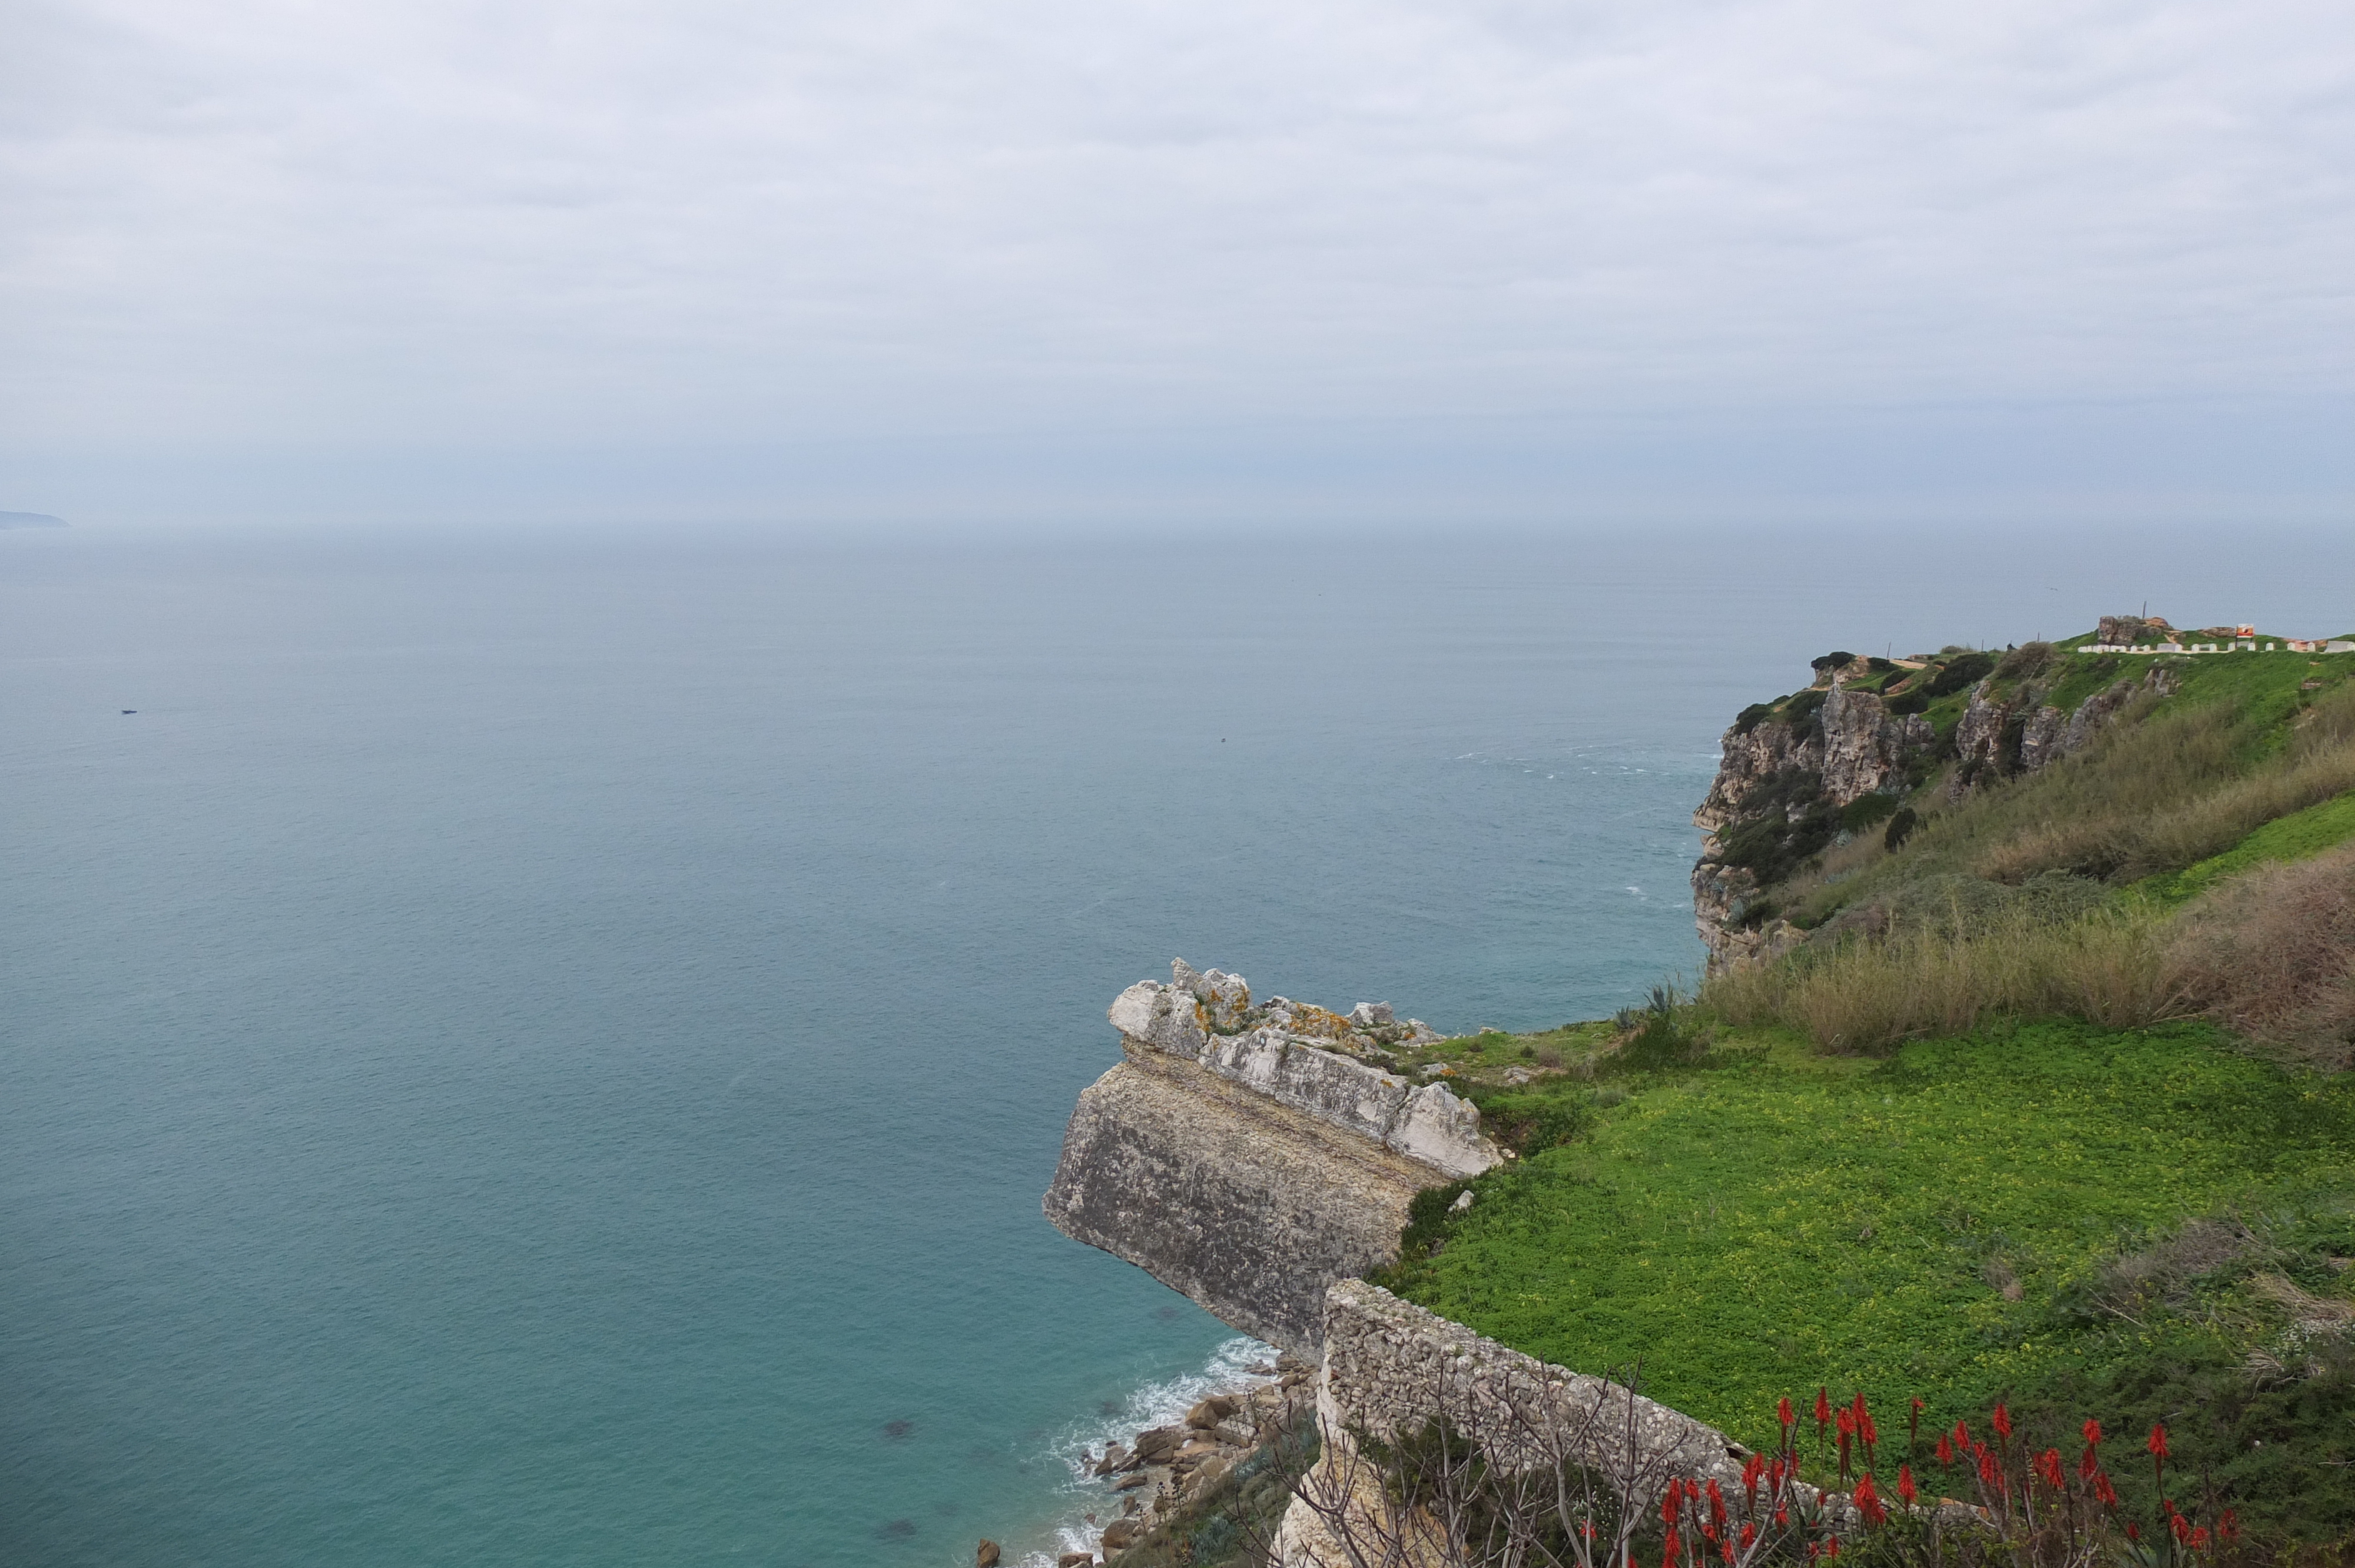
[[547, 1052]]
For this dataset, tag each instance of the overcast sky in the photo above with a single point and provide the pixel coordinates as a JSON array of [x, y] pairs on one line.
[[496, 258]]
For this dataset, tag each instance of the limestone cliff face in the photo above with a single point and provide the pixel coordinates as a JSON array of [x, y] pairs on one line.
[[1852, 743], [1999, 735], [1250, 1156], [1847, 748]]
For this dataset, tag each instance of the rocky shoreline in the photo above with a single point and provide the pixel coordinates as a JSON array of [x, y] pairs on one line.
[[1162, 1469]]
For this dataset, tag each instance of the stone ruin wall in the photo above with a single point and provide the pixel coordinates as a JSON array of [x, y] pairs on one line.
[[1389, 1367]]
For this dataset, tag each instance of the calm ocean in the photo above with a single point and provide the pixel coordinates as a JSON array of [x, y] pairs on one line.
[[542, 1051]]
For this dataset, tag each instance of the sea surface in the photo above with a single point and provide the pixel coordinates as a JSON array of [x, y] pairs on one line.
[[545, 1048]]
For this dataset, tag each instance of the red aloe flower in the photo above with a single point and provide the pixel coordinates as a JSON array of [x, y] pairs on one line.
[[2105, 1493], [1988, 1472], [2002, 1420], [1782, 1516], [2200, 1539], [2180, 1525], [2091, 1465], [2093, 1432], [1961, 1433], [1782, 1411], [1847, 1424], [1946, 1449], [1823, 1410], [1749, 1536], [1716, 1504], [1668, 1549], [2133, 1530], [1905, 1492], [2228, 1527], [2049, 1468], [2157, 1444], [1672, 1504], [1868, 1501]]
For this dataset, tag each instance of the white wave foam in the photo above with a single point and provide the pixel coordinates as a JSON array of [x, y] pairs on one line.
[[1078, 1445]]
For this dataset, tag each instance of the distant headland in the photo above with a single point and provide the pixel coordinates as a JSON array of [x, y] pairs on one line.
[[30, 520]]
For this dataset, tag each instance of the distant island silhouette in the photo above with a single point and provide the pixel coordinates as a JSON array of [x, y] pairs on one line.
[[30, 520]]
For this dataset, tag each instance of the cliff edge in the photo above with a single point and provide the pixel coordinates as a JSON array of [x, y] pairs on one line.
[[1250, 1155]]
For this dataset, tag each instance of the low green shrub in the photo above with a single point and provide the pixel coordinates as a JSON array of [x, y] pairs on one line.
[[1866, 810], [1964, 671]]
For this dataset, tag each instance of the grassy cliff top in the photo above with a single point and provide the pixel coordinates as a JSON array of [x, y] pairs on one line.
[[2050, 1105]]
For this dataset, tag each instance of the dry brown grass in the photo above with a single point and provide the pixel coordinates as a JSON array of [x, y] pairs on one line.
[[2166, 793], [2269, 955], [2272, 956], [2115, 966]]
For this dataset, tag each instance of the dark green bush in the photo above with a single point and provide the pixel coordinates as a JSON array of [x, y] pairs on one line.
[[1866, 810], [1901, 828], [1532, 1121], [1788, 820], [1799, 712], [1967, 670]]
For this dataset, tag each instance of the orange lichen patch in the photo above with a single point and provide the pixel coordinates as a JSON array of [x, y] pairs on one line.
[[1308, 1019]]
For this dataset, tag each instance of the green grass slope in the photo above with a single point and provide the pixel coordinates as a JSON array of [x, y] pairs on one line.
[[1968, 1220]]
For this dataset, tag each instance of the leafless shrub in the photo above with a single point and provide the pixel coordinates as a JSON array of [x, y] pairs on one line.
[[1563, 1476], [2128, 1285]]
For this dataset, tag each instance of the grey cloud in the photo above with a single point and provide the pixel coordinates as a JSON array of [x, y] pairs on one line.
[[438, 226]]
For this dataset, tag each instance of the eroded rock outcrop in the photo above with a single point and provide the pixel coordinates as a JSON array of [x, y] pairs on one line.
[[1787, 776], [2002, 735], [1251, 1155], [1794, 773]]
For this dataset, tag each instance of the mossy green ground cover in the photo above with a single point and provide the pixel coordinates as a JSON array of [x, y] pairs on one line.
[[1781, 1221]]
